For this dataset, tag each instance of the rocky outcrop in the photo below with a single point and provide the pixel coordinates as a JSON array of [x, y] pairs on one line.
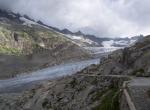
[[77, 92], [132, 60]]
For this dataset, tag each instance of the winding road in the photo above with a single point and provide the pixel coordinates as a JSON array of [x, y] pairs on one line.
[[138, 89]]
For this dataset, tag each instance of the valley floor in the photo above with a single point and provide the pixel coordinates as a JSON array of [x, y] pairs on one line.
[[25, 81]]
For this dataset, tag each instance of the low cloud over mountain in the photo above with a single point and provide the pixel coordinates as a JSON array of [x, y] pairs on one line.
[[100, 17]]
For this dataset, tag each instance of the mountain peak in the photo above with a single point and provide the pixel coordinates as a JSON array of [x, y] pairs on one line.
[[79, 33], [66, 31]]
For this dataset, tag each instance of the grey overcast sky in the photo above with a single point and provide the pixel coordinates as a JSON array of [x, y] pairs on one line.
[[104, 18]]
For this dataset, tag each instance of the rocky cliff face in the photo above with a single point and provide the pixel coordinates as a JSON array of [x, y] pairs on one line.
[[25, 47], [70, 93], [95, 88], [132, 60]]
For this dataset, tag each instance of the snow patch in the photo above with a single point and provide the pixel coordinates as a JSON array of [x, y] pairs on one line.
[[28, 22], [81, 40], [100, 50], [121, 42], [108, 43], [118, 43], [132, 42], [76, 37]]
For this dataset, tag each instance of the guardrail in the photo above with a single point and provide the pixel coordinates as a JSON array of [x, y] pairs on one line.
[[128, 99]]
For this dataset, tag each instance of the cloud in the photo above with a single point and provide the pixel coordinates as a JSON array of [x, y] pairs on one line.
[[111, 18]]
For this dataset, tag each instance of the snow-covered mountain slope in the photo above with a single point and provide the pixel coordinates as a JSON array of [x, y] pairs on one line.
[[27, 21], [101, 50], [89, 42], [82, 41], [118, 43], [101, 45], [110, 46], [27, 46]]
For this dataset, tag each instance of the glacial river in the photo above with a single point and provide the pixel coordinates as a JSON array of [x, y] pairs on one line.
[[22, 82]]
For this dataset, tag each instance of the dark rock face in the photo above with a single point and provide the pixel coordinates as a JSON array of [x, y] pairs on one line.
[[129, 61], [71, 93], [16, 37], [12, 16]]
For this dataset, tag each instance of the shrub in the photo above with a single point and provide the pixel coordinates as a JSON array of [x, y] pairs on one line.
[[139, 72], [110, 101], [148, 93]]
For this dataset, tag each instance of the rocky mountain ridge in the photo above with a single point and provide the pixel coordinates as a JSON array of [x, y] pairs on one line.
[[98, 41], [85, 39], [26, 46], [78, 37]]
